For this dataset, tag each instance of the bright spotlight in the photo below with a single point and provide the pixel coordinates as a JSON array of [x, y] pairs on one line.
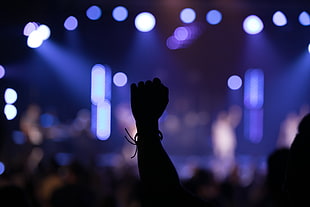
[[71, 23], [234, 82], [10, 111], [45, 31], [2, 71], [10, 95], [309, 47], [145, 22], [304, 18], [120, 13], [34, 39], [279, 19], [93, 12], [214, 17], [253, 25], [188, 15]]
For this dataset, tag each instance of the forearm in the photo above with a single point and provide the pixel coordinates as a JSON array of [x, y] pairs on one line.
[[157, 172]]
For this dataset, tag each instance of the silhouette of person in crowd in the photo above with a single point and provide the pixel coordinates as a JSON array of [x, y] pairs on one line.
[[160, 180], [277, 164], [298, 170]]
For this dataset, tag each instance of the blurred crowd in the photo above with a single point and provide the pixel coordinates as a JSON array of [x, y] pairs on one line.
[[33, 174]]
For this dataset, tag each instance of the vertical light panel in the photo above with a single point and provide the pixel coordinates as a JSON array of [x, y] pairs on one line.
[[98, 79], [101, 101], [254, 89], [253, 102], [103, 124]]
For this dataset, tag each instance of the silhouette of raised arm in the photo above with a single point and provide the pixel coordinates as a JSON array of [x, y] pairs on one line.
[[158, 175]]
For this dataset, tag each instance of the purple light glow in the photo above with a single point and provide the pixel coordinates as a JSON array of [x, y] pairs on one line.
[[120, 79], [71, 23], [181, 33], [234, 82], [2, 71]]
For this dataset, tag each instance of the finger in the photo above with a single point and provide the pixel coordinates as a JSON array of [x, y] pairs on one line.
[[140, 84], [148, 83], [156, 81]]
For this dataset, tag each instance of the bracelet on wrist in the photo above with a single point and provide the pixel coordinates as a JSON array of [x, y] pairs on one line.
[[135, 139]]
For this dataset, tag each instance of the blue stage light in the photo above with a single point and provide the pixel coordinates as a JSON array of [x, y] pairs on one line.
[[93, 12], [214, 17], [304, 18], [120, 13], [188, 15], [2, 168], [98, 84], [103, 127]]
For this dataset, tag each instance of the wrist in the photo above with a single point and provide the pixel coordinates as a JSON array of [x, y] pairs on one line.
[[147, 127]]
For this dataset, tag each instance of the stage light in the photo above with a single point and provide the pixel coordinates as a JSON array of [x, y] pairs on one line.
[[279, 19], [30, 27], [44, 31], [234, 82], [98, 84], [120, 79], [172, 43], [188, 15], [253, 25], [120, 13], [2, 71], [10, 111], [309, 47], [103, 127], [304, 18], [34, 39], [71, 23], [214, 17], [2, 168], [254, 89], [145, 22], [10, 96], [100, 98], [93, 12], [181, 33]]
